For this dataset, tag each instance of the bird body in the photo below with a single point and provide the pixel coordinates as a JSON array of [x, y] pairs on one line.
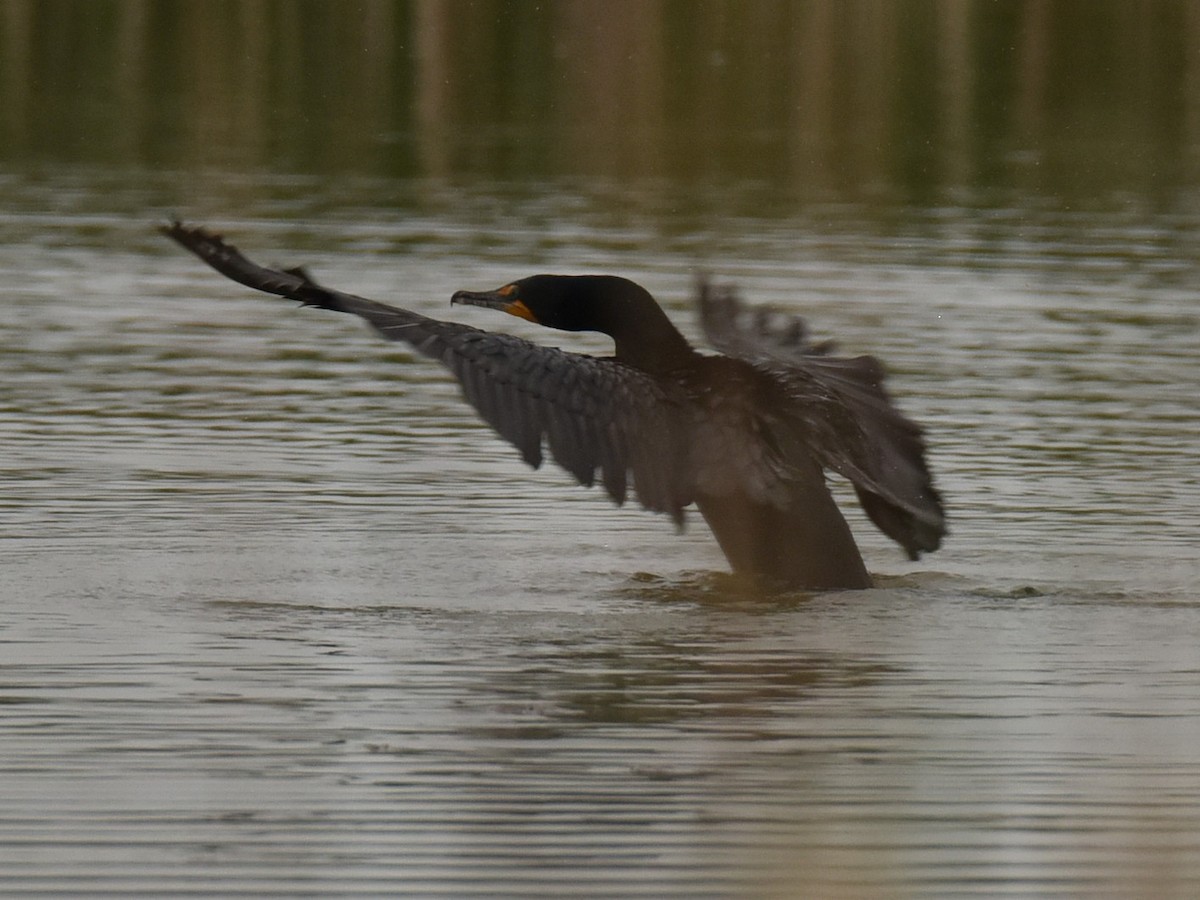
[[745, 436]]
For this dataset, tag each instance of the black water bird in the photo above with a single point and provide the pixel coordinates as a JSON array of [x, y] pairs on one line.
[[746, 436]]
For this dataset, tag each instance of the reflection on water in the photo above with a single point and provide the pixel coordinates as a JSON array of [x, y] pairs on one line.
[[283, 618], [604, 744], [909, 101]]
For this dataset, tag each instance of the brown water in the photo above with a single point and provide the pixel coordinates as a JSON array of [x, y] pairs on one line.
[[282, 618]]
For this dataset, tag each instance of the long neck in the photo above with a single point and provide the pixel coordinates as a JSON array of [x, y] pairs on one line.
[[646, 339], [658, 349]]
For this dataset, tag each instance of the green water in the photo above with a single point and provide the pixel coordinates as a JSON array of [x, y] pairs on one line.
[[282, 618]]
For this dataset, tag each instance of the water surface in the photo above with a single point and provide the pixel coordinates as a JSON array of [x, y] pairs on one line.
[[282, 618]]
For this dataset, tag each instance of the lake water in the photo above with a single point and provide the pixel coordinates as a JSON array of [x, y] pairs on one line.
[[280, 617]]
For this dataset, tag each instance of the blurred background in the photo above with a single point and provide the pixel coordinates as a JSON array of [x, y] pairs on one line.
[[282, 617], [928, 102]]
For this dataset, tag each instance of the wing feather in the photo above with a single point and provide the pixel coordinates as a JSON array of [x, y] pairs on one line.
[[837, 410], [593, 414]]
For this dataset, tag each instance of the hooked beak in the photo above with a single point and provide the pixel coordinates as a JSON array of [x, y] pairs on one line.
[[503, 299]]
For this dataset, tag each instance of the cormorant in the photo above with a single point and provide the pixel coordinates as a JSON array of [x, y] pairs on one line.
[[746, 436]]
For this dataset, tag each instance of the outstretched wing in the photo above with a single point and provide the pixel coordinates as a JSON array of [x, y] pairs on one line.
[[595, 415], [752, 332], [839, 411]]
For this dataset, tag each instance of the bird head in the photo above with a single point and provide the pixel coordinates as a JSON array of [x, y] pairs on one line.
[[567, 302]]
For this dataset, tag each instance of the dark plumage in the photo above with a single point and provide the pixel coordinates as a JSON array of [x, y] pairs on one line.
[[745, 436]]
